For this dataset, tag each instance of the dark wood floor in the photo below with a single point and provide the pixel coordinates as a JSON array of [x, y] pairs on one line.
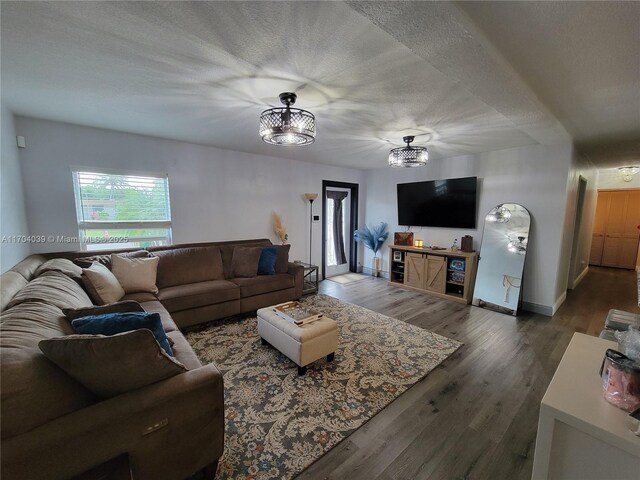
[[474, 417]]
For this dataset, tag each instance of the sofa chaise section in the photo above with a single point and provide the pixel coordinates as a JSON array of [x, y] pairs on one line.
[[53, 427]]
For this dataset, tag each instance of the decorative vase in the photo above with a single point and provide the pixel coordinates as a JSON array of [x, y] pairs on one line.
[[376, 264]]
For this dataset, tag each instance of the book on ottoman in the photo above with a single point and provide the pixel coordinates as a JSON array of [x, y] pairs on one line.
[[296, 313]]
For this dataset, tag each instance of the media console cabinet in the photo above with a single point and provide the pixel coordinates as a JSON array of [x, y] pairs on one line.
[[444, 273]]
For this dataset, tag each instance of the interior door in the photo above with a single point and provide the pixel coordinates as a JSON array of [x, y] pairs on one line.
[[337, 227], [621, 213], [630, 232]]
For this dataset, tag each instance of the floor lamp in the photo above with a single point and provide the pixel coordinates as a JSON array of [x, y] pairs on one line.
[[311, 197]]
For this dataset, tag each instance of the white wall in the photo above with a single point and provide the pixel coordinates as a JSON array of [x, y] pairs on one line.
[[609, 178], [535, 177], [13, 216], [215, 194]]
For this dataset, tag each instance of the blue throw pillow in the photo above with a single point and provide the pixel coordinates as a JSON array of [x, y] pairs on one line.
[[267, 263], [113, 323]]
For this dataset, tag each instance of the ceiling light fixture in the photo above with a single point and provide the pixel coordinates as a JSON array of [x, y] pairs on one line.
[[627, 173], [499, 214], [287, 126], [408, 156]]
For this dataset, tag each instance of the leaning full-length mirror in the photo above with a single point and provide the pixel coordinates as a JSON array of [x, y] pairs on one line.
[[504, 246]]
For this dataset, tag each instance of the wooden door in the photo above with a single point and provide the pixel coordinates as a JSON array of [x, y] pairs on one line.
[[630, 232], [436, 273], [414, 270], [599, 227], [620, 240]]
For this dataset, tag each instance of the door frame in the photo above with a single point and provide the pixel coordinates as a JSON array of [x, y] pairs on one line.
[[353, 224], [577, 227]]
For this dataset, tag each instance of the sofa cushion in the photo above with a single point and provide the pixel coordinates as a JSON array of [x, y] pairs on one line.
[[111, 365], [282, 263], [264, 284], [54, 288], [181, 266], [86, 262], [118, 307], [63, 265], [27, 267], [102, 285], [10, 284], [156, 307], [114, 323], [34, 390], [244, 263], [267, 262], [140, 297], [135, 274], [183, 351], [184, 297]]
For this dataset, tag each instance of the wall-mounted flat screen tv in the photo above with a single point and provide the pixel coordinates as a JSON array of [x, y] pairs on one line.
[[438, 203]]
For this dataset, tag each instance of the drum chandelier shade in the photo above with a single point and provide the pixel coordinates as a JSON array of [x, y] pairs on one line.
[[287, 126], [499, 214], [408, 156]]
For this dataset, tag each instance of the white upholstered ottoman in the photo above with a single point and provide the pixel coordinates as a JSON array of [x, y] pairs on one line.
[[304, 344]]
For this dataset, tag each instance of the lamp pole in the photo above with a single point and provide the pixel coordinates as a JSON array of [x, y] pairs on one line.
[[310, 229], [311, 197]]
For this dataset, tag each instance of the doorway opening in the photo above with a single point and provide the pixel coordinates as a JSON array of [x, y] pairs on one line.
[[575, 268], [340, 220]]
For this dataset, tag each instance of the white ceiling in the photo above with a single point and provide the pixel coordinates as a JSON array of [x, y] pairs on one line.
[[371, 72]]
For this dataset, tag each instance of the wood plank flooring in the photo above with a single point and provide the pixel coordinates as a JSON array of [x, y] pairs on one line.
[[474, 417]]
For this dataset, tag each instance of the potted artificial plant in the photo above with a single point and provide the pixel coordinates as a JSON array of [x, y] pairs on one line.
[[373, 238]]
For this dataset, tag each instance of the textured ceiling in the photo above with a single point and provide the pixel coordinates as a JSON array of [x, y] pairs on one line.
[[582, 59], [371, 72]]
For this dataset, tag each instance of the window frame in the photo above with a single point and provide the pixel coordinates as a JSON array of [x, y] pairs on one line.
[[84, 225]]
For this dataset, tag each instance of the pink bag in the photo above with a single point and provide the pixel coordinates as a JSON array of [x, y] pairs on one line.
[[621, 380]]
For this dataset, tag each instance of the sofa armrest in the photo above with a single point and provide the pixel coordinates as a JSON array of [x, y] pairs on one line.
[[170, 429], [297, 271]]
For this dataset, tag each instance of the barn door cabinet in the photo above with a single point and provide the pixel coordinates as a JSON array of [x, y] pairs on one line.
[[440, 272]]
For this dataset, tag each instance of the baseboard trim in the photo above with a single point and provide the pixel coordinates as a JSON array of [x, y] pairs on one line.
[[545, 310], [369, 271], [580, 277], [559, 302]]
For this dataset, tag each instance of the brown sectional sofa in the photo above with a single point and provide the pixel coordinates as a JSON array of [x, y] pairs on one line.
[[52, 427]]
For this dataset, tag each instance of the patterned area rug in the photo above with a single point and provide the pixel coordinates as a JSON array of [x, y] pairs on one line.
[[278, 423]]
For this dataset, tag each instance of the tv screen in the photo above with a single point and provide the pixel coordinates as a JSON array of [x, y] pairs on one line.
[[438, 203]]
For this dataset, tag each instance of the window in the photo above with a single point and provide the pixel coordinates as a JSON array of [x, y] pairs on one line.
[[118, 210]]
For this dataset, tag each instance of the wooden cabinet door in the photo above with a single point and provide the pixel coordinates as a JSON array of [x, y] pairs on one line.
[[617, 220], [628, 252], [611, 250], [599, 228], [597, 244], [436, 273], [414, 270], [602, 212], [617, 213], [630, 233]]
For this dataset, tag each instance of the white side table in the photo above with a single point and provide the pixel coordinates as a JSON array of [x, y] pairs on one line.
[[580, 434]]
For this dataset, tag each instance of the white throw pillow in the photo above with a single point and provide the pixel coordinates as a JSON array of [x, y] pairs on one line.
[[102, 285], [135, 274]]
